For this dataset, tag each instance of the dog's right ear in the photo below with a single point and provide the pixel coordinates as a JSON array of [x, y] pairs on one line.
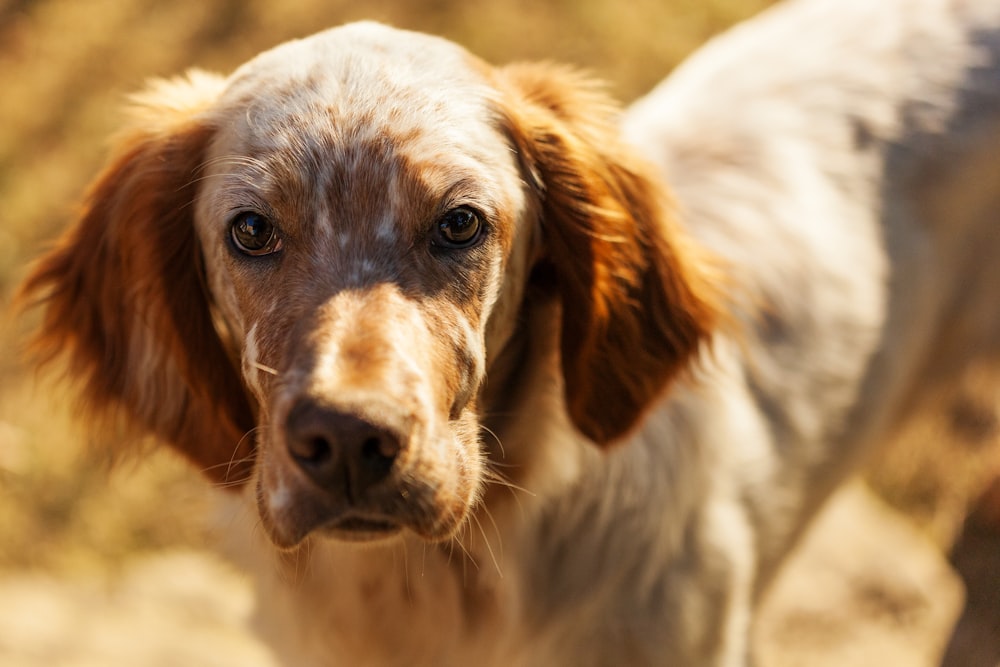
[[124, 295]]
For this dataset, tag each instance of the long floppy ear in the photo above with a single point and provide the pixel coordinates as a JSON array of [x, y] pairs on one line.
[[638, 297], [124, 296]]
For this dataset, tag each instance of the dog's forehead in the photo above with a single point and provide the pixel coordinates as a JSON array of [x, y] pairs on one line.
[[360, 77], [370, 40], [361, 106]]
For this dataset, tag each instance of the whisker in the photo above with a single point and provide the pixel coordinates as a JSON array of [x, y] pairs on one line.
[[496, 530], [253, 165], [228, 483], [233, 484], [468, 555], [489, 547], [233, 461], [235, 161], [503, 452], [451, 551], [304, 553], [497, 464], [406, 569], [496, 477]]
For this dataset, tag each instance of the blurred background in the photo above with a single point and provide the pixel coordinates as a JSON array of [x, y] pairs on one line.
[[102, 568]]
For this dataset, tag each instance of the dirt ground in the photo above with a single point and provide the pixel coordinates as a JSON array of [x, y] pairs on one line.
[[178, 608], [865, 589]]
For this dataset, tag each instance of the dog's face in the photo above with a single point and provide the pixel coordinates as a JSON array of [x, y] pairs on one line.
[[356, 252], [328, 249]]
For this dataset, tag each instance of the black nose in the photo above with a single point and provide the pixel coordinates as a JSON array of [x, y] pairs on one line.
[[340, 450]]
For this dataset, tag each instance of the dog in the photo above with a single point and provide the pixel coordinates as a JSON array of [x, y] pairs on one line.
[[503, 375]]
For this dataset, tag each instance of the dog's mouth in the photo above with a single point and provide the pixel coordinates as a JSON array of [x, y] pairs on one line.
[[357, 528], [290, 514]]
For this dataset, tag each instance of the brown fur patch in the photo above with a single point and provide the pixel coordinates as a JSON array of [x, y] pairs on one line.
[[125, 302], [639, 298]]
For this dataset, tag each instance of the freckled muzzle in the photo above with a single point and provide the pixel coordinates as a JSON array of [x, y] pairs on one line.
[[371, 432]]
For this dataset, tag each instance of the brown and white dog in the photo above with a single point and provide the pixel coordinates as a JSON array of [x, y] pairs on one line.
[[391, 295]]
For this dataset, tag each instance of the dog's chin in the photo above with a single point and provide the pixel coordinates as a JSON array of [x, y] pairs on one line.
[[297, 524]]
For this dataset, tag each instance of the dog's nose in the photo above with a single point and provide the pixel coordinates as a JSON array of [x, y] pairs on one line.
[[340, 450]]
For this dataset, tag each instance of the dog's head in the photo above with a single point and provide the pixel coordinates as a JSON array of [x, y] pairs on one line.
[[300, 274]]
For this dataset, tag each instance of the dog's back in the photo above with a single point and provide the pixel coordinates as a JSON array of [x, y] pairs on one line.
[[844, 159]]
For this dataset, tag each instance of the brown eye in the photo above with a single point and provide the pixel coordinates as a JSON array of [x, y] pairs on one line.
[[458, 228], [253, 234]]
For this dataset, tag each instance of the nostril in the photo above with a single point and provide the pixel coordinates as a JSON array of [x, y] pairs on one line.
[[313, 451], [379, 452], [310, 440], [380, 447]]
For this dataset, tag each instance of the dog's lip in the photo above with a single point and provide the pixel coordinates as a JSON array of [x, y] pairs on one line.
[[356, 527], [289, 528]]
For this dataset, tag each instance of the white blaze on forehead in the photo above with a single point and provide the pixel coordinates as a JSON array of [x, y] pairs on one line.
[[386, 230], [361, 271], [321, 229]]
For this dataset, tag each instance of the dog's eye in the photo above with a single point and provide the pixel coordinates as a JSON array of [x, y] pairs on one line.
[[253, 234], [458, 228]]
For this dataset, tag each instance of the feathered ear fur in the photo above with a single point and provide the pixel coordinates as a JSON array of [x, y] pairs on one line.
[[124, 297], [638, 297]]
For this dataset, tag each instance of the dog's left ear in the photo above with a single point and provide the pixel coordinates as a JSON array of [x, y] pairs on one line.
[[639, 298]]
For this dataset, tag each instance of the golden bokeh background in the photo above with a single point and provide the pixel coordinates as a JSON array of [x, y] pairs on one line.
[[66, 68]]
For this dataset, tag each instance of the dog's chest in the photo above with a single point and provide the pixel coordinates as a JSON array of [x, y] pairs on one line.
[[413, 605]]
